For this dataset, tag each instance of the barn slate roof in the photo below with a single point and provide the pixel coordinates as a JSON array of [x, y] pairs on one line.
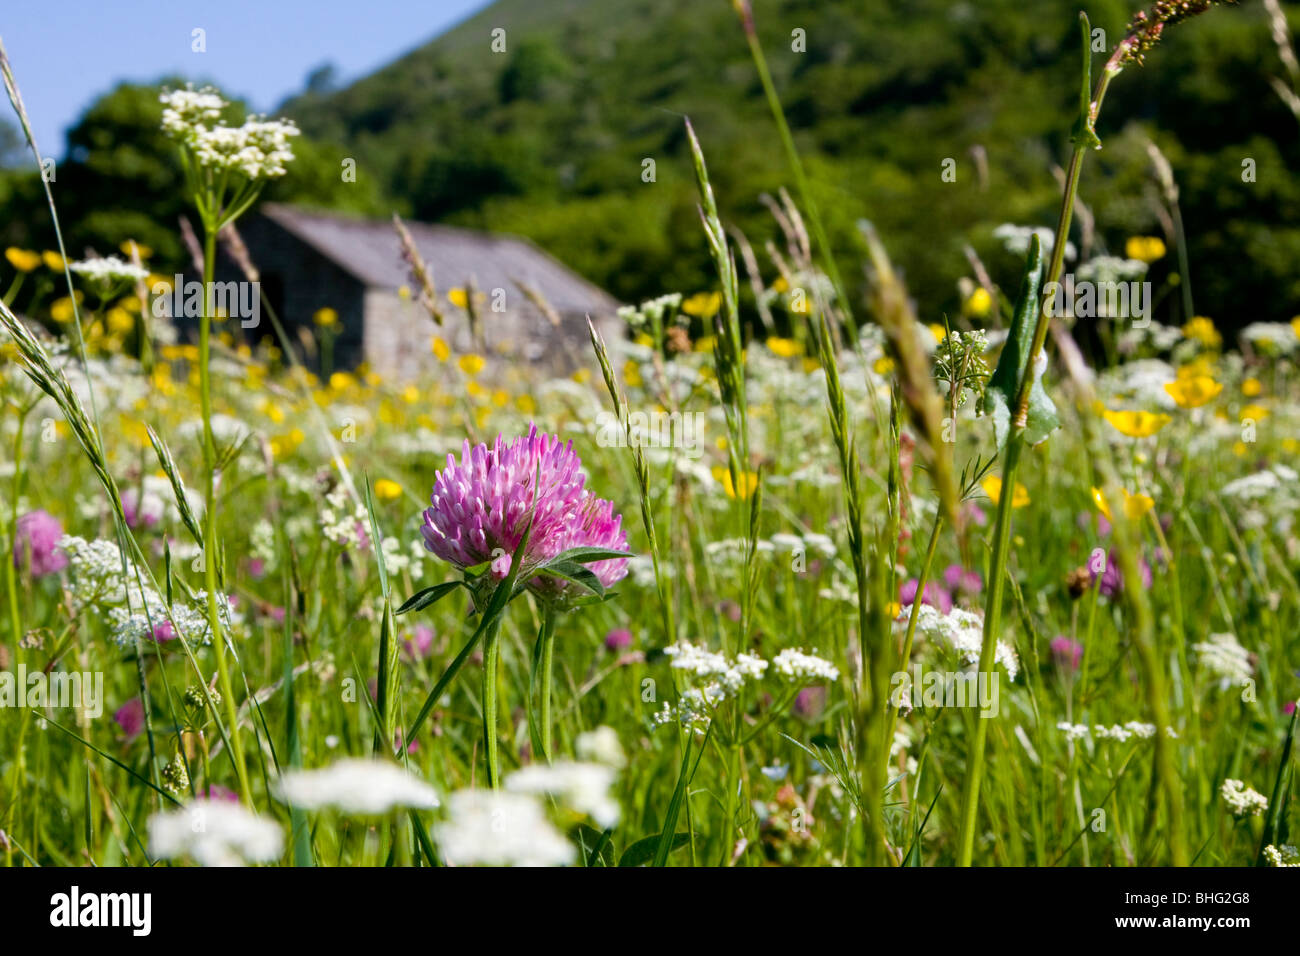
[[369, 250]]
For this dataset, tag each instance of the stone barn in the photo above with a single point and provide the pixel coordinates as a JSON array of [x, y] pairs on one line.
[[528, 308]]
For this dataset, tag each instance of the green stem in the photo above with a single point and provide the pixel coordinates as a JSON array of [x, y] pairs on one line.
[[992, 627], [548, 649], [922, 579], [210, 546], [491, 663]]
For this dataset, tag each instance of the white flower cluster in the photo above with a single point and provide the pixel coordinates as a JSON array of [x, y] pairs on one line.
[[400, 558], [1271, 338], [1261, 484], [109, 270], [1016, 239], [717, 678], [583, 787], [1241, 800], [797, 667], [97, 569], [214, 833], [1225, 659], [103, 578], [259, 149], [357, 786], [1285, 855], [601, 746], [261, 543], [500, 828], [963, 631], [1116, 732], [344, 526]]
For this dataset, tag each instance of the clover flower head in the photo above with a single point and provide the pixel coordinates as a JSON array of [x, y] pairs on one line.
[[481, 507]]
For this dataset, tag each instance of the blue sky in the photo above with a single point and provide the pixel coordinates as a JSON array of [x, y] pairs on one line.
[[66, 54]]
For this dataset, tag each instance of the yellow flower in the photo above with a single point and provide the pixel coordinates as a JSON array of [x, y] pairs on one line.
[[1136, 424], [387, 490], [1202, 330], [786, 348], [703, 344], [526, 404], [410, 394], [632, 374], [1251, 387], [748, 483], [1193, 391], [780, 285], [992, 486], [1253, 412], [938, 331], [471, 364], [581, 376], [341, 381], [883, 365], [130, 245], [53, 261], [440, 349], [811, 365], [473, 389], [1135, 506], [326, 318], [703, 305], [22, 259], [979, 303], [61, 310], [119, 321], [1145, 248], [1295, 326], [458, 298]]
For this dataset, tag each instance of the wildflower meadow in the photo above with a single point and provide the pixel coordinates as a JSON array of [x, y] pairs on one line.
[[778, 571]]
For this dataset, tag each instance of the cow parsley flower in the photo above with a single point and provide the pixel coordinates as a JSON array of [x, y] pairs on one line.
[[1282, 855], [109, 271], [491, 828], [1241, 800], [795, 666], [963, 631], [583, 787], [259, 149], [356, 786], [1225, 659], [214, 833]]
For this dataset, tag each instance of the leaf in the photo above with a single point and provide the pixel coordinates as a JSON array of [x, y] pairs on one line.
[[585, 554], [427, 596], [571, 571], [1015, 363], [643, 851], [593, 845]]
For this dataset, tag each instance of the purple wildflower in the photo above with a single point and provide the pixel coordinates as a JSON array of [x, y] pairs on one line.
[[217, 792], [418, 644], [618, 639], [935, 596], [1068, 653], [482, 505], [810, 703], [1112, 581], [961, 581], [36, 544], [130, 717]]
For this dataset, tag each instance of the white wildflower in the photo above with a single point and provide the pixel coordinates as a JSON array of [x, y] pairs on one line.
[[214, 833], [499, 829], [601, 746], [583, 787], [357, 786], [1285, 855], [1241, 800], [1225, 659], [793, 665]]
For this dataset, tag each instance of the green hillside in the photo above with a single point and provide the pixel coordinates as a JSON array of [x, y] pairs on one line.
[[548, 138]]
